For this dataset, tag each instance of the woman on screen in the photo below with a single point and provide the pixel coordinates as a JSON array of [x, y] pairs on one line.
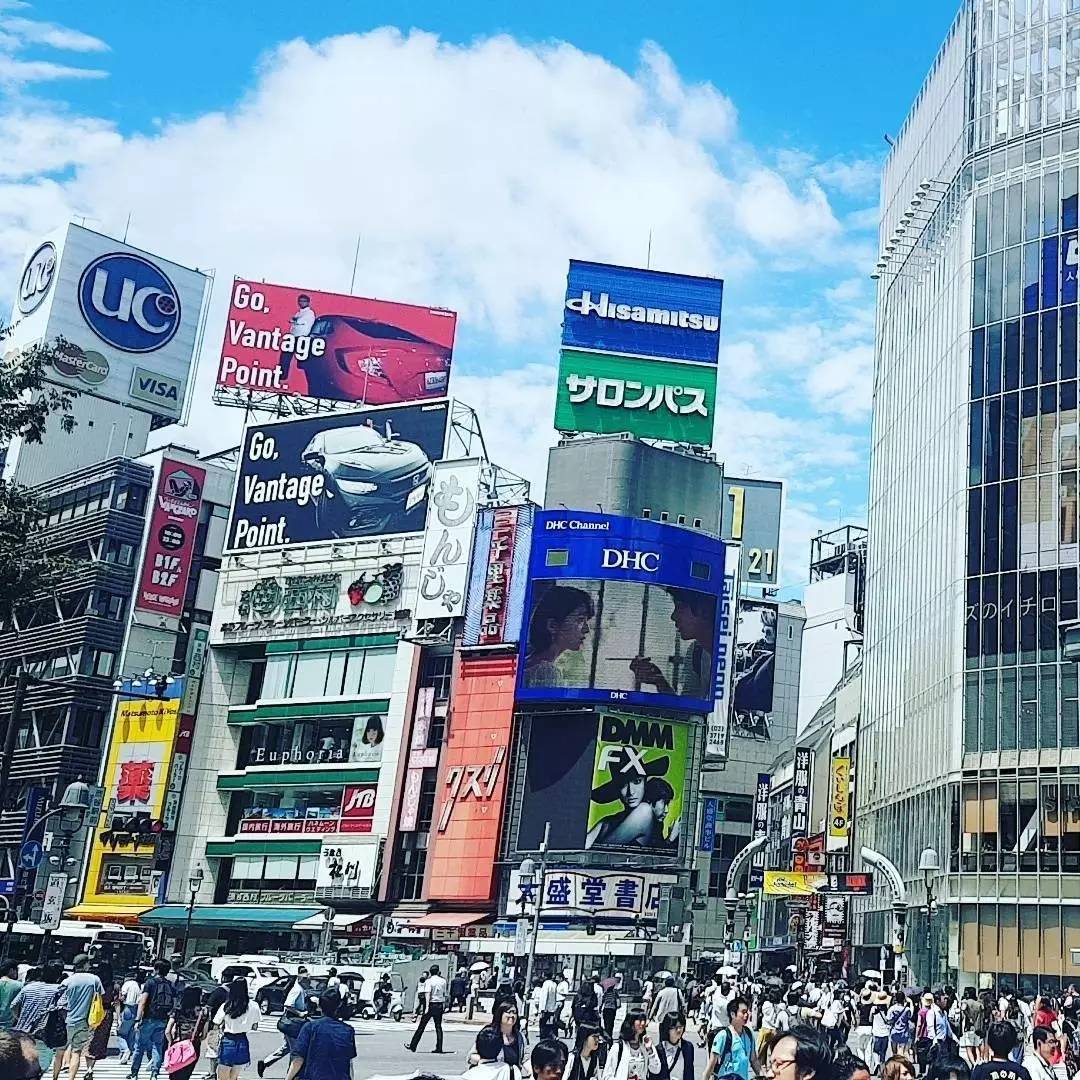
[[559, 624]]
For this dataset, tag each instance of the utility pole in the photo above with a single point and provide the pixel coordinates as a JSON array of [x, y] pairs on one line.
[[536, 919]]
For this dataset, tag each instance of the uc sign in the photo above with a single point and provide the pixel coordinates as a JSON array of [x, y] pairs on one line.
[[129, 302]]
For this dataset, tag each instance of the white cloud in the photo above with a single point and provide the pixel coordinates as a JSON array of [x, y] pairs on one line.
[[36, 32], [855, 177], [470, 174], [843, 382], [15, 73]]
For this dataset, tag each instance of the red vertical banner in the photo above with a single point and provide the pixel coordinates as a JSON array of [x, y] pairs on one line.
[[170, 543]]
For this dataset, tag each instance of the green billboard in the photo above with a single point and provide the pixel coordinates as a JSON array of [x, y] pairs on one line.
[[654, 399]]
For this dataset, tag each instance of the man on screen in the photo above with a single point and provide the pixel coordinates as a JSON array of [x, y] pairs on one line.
[[694, 616], [636, 823]]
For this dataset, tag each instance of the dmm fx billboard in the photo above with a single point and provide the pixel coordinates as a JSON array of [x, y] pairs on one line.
[[639, 353], [606, 782], [170, 543], [750, 515], [621, 610], [336, 476], [285, 340], [136, 782], [132, 319]]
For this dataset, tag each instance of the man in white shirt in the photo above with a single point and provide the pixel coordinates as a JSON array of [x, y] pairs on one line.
[[718, 1018], [563, 993], [436, 1005], [549, 1009], [296, 1007]]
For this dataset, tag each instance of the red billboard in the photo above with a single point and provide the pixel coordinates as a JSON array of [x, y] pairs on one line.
[[358, 808], [464, 840], [284, 340], [170, 543]]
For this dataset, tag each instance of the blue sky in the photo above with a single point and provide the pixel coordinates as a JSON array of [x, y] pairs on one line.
[[474, 148]]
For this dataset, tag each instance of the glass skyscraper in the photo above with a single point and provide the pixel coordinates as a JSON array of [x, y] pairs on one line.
[[970, 733]]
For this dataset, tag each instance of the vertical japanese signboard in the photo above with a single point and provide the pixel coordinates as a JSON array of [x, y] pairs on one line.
[[170, 543], [451, 516], [498, 577], [800, 797], [761, 828], [839, 793], [717, 728]]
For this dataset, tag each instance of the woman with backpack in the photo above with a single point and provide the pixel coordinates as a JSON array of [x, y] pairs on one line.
[[184, 1034], [585, 1061], [236, 1018], [676, 1053], [609, 1006], [633, 1057], [583, 1007], [36, 1012], [901, 1019]]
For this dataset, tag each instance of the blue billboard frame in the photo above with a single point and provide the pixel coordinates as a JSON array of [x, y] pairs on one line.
[[668, 556], [635, 312]]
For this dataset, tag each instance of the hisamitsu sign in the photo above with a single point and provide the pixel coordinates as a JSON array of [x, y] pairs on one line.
[[636, 312]]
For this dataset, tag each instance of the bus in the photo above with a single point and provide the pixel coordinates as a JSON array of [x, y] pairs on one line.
[[124, 949]]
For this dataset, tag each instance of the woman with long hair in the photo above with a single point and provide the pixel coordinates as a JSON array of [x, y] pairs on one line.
[[583, 1007], [236, 1018], [506, 1020], [559, 624], [676, 1053], [187, 1024], [633, 1057], [585, 1059], [898, 1067]]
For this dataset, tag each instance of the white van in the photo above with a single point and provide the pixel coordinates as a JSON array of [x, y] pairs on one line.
[[258, 970]]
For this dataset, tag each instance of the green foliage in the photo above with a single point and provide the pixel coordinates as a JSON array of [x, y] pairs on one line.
[[26, 404]]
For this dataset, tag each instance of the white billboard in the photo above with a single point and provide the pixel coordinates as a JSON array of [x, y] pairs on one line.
[[346, 870], [132, 318], [448, 539]]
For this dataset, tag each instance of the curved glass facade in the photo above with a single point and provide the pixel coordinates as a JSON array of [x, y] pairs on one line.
[[969, 707]]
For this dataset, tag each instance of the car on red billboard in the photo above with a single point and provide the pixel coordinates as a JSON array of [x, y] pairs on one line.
[[375, 362], [284, 340]]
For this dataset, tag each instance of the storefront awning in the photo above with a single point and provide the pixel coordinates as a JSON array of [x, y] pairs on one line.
[[105, 913], [448, 920], [239, 916], [341, 922]]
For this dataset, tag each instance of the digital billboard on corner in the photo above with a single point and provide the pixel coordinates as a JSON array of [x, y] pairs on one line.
[[336, 476], [286, 340], [621, 610], [624, 309]]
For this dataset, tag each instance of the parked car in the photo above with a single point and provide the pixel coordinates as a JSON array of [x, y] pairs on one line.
[[374, 482], [374, 363], [194, 977], [271, 997]]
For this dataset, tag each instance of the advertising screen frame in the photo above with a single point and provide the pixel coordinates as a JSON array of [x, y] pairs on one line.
[[254, 449], [667, 557]]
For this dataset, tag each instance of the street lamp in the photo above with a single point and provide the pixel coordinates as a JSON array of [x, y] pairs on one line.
[[526, 881], [929, 866], [194, 885], [71, 816]]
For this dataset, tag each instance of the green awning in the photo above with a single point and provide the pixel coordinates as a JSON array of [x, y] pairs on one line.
[[239, 916], [290, 776]]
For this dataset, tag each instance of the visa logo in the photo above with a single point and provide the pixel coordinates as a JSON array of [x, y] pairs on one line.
[[156, 389]]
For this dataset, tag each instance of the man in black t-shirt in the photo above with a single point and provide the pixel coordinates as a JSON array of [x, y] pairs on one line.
[[1001, 1037]]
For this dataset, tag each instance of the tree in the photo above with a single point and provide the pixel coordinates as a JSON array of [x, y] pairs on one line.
[[27, 402]]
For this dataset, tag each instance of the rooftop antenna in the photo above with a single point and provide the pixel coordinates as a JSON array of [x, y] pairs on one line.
[[127, 226], [648, 253], [355, 263]]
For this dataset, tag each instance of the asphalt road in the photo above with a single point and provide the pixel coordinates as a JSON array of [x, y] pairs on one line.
[[379, 1051]]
